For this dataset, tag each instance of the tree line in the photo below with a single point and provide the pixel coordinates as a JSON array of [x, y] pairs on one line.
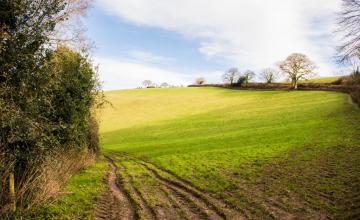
[[298, 66], [295, 67]]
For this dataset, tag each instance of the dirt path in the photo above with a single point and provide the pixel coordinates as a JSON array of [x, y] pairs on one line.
[[114, 203], [165, 197]]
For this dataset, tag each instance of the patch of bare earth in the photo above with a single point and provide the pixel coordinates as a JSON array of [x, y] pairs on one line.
[[113, 203]]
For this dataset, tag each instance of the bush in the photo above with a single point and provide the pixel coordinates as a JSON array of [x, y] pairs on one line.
[[355, 95], [338, 81], [56, 120], [241, 81], [46, 97], [200, 81]]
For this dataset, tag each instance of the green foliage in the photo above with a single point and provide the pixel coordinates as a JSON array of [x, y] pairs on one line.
[[73, 90], [241, 81], [46, 95]]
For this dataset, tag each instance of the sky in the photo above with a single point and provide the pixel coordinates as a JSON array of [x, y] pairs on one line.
[[177, 41]]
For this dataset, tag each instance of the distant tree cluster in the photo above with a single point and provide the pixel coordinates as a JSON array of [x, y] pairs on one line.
[[270, 75], [295, 67], [200, 81], [232, 76], [150, 84]]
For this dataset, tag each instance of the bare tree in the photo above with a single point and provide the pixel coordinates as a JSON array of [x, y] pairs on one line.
[[349, 25], [164, 85], [297, 66], [248, 75], [147, 83], [269, 75], [70, 29], [200, 81], [231, 75]]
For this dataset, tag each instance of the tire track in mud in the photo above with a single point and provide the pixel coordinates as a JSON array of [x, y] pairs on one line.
[[181, 206], [185, 211], [191, 206], [192, 200], [114, 203], [144, 209], [198, 201]]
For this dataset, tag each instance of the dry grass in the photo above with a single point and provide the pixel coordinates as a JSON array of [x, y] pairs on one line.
[[4, 193], [44, 182], [56, 170]]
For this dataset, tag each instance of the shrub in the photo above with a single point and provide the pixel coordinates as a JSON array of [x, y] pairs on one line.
[[57, 121], [200, 81], [46, 96], [241, 81], [338, 81]]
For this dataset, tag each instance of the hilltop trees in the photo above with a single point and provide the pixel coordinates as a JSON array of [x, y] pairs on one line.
[[164, 85], [248, 75], [233, 76], [269, 75], [297, 66], [147, 83], [200, 81], [230, 76]]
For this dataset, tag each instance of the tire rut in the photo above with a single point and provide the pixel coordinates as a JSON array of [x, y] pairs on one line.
[[180, 204], [204, 208], [192, 206], [185, 200], [144, 209], [113, 203], [213, 208]]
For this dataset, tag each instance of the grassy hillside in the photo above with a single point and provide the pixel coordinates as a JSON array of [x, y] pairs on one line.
[[265, 154], [328, 79]]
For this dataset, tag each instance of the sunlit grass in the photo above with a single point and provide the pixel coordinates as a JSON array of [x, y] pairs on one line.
[[328, 79], [198, 133]]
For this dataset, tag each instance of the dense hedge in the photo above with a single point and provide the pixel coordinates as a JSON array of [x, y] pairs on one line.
[[47, 93]]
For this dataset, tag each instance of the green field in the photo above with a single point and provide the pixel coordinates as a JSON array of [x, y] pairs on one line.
[[256, 154], [327, 79]]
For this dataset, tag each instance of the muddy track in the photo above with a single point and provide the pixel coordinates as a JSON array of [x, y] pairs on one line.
[[114, 203], [142, 207], [184, 205], [179, 200], [192, 202]]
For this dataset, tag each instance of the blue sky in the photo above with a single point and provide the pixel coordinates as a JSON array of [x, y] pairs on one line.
[[115, 37], [177, 41]]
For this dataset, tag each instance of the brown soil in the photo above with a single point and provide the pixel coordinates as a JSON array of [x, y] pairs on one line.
[[176, 198], [114, 202]]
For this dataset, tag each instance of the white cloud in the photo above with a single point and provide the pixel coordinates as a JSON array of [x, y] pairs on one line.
[[247, 33], [118, 73]]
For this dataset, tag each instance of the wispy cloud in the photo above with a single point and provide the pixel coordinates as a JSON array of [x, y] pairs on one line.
[[247, 33], [147, 57]]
